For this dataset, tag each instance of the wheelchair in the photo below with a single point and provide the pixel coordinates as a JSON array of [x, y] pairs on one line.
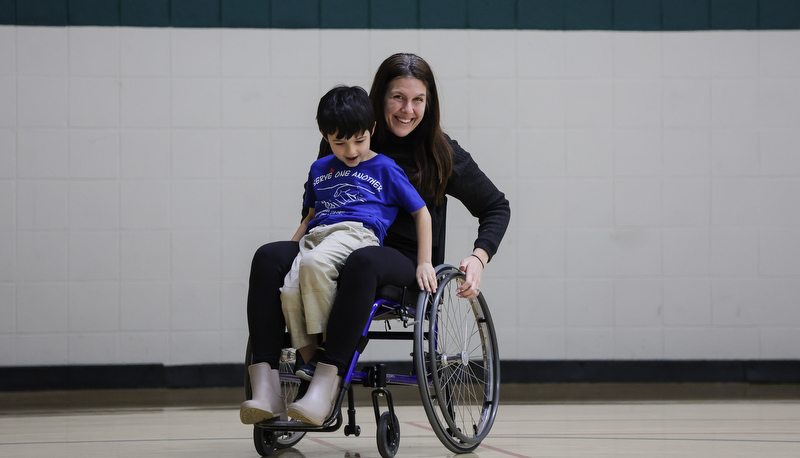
[[456, 366]]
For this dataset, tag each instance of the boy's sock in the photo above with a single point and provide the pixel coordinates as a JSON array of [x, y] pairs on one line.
[[306, 370]]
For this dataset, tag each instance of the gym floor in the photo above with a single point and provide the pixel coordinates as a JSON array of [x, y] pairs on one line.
[[704, 420]]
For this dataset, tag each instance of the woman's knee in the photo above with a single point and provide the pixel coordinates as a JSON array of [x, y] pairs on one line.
[[275, 255], [363, 260], [379, 266]]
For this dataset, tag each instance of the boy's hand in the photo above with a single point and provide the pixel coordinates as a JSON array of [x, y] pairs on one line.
[[426, 277]]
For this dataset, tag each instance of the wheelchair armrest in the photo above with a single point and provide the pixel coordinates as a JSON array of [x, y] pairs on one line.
[[398, 294], [404, 294]]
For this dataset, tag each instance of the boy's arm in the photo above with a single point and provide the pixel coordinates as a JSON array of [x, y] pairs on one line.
[[426, 275], [301, 231]]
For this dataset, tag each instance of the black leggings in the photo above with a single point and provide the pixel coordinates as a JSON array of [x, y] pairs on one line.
[[363, 273], [265, 319]]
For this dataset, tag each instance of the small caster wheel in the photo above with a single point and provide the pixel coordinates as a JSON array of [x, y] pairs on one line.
[[288, 439], [388, 435], [265, 441], [354, 430]]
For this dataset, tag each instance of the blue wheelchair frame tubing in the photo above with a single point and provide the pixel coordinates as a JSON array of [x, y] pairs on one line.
[[379, 307]]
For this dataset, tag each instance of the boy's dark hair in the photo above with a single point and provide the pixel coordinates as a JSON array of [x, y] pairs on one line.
[[346, 110]]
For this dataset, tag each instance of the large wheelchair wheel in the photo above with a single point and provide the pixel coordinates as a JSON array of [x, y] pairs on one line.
[[266, 441], [457, 364]]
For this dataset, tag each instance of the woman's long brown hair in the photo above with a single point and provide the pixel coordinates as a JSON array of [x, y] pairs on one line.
[[431, 152]]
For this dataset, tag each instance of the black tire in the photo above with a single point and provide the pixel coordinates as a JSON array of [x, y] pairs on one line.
[[265, 441], [289, 386], [457, 364], [388, 435]]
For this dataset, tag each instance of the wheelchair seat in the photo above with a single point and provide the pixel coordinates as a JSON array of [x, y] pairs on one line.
[[398, 294]]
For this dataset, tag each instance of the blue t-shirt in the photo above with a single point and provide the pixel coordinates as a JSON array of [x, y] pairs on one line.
[[370, 193]]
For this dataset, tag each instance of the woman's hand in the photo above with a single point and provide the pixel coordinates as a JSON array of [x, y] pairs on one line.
[[472, 266], [426, 277]]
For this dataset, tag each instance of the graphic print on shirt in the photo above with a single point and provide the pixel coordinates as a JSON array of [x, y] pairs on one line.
[[343, 194]]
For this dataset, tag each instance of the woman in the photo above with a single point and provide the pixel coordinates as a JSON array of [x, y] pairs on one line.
[[406, 105]]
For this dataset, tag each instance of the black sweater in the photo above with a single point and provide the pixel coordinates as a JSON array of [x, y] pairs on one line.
[[467, 183]]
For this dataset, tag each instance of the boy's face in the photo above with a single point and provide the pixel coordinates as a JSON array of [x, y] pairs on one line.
[[352, 151]]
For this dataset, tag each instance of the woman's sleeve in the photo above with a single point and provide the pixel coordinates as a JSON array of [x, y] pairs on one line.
[[324, 150], [306, 187], [481, 197]]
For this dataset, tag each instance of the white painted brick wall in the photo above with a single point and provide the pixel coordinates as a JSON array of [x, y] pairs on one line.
[[654, 180]]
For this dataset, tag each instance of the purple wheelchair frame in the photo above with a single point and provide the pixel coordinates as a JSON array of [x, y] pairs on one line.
[[397, 308], [420, 314]]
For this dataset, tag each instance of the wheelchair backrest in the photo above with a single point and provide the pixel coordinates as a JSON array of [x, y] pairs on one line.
[[408, 296]]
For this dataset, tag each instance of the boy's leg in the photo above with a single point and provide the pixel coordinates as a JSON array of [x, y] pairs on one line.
[[319, 270], [292, 305], [307, 352]]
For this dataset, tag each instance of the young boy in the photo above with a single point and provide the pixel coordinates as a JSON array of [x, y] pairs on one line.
[[352, 197]]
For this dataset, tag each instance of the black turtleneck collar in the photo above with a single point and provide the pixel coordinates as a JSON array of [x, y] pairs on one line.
[[400, 149], [404, 142]]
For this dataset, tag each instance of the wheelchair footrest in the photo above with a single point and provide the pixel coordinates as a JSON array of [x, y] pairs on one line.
[[294, 425]]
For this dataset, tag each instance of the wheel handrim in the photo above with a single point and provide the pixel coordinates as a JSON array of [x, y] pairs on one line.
[[464, 368]]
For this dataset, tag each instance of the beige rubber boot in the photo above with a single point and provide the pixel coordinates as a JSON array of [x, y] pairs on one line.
[[267, 401], [317, 404]]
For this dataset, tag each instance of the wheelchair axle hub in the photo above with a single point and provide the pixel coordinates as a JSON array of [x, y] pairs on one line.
[[460, 358]]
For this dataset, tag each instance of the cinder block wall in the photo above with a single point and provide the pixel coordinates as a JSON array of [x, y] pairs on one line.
[[653, 173]]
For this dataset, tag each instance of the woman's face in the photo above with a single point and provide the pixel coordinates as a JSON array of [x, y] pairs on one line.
[[405, 105]]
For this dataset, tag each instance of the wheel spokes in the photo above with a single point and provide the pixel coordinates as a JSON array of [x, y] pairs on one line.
[[463, 372]]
